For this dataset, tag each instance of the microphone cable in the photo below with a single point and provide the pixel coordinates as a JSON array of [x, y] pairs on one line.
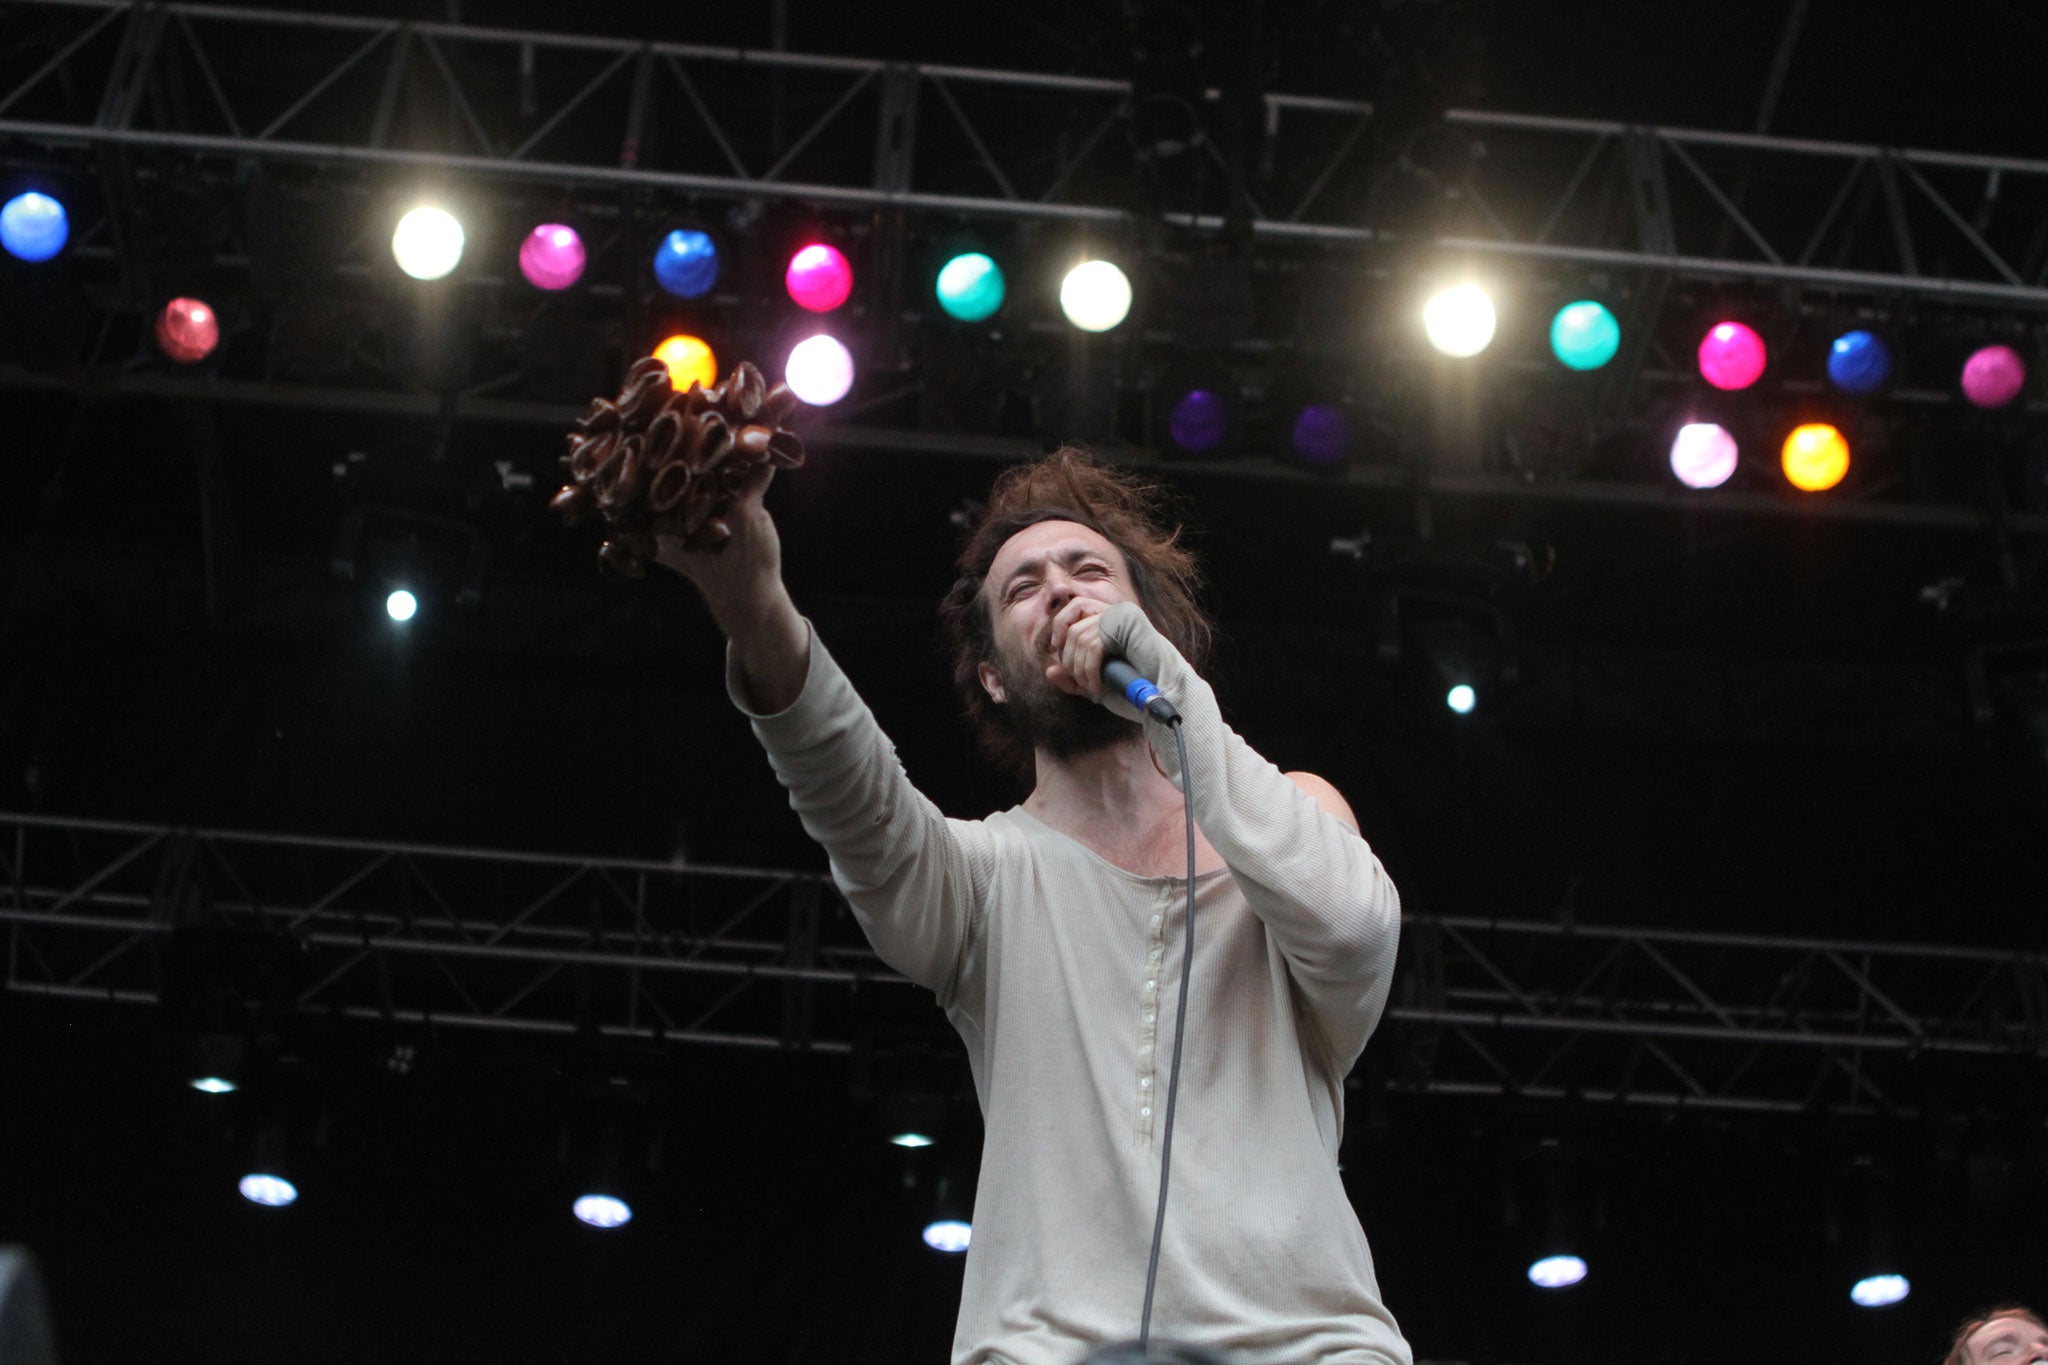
[[1180, 1031]]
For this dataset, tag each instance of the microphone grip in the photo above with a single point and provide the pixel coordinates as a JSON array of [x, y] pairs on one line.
[[1138, 690]]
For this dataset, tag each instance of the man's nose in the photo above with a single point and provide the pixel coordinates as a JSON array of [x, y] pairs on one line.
[[1059, 590]]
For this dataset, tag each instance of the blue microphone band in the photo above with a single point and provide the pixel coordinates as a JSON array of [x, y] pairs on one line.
[[1138, 690]]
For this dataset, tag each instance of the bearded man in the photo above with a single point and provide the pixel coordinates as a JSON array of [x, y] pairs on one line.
[[1050, 934]]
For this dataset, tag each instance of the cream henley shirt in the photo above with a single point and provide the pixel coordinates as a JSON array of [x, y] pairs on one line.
[[1059, 970]]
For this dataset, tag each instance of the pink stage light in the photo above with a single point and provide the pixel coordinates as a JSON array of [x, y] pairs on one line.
[[1994, 376], [819, 278], [1703, 455], [187, 330], [1731, 356], [552, 256]]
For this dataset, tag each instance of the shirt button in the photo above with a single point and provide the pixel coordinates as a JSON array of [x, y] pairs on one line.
[[1155, 921], [1149, 1016], [1144, 1083], [1151, 985], [1147, 1049], [1146, 1112]]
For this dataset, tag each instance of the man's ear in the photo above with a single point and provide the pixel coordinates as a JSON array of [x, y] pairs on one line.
[[991, 682]]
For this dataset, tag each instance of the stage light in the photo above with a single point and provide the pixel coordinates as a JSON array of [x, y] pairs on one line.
[[1703, 455], [1584, 335], [1459, 321], [427, 243], [819, 277], [401, 605], [689, 360], [911, 1140], [33, 226], [1462, 698], [819, 371], [1876, 1291], [970, 287], [552, 256], [1321, 435], [948, 1235], [1816, 456], [1994, 376], [1199, 421], [215, 1063], [1095, 296], [1557, 1272], [1731, 356], [1859, 362], [187, 330], [602, 1211], [213, 1085], [686, 263], [270, 1191]]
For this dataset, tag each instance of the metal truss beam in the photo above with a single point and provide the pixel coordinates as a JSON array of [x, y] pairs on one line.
[[766, 958], [553, 110]]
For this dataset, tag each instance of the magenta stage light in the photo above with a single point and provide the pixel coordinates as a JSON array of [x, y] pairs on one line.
[[819, 278], [1731, 356], [552, 256], [1703, 455], [187, 330], [1994, 376]]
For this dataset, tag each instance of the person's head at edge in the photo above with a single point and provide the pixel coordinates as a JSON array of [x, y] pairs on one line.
[[1109, 505], [2009, 1334]]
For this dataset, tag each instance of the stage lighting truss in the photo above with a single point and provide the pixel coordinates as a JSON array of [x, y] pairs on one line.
[[1527, 1008], [377, 109]]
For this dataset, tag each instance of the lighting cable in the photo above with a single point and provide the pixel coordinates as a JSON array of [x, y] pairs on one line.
[[1180, 1030]]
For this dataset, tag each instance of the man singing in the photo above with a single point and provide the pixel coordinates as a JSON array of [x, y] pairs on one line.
[[1051, 934]]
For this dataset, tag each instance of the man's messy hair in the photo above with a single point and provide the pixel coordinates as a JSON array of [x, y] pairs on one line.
[[1129, 512]]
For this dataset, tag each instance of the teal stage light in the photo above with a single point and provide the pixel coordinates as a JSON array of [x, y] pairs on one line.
[[1584, 335], [970, 287]]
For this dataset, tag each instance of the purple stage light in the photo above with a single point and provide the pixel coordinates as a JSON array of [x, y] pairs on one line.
[[819, 278], [1322, 436], [1199, 421]]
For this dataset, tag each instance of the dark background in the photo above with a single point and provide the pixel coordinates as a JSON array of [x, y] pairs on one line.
[[1727, 721]]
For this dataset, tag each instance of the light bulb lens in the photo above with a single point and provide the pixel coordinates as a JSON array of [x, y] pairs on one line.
[[1557, 1272], [1460, 321], [1095, 296], [948, 1235], [427, 243]]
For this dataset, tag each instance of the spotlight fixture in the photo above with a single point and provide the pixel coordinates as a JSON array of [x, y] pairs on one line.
[[1816, 457], [268, 1183], [187, 330], [33, 226], [1859, 362], [1731, 356], [686, 263], [1703, 455], [401, 606], [1993, 376], [1321, 435], [689, 360], [970, 287], [1460, 321], [605, 1211], [819, 370], [215, 1064], [427, 243], [1461, 698], [552, 256], [1200, 421], [1584, 335], [1557, 1272], [1879, 1291], [912, 1119], [951, 1225], [1095, 296], [819, 278]]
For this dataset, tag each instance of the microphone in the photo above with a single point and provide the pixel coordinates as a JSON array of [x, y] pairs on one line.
[[1138, 691]]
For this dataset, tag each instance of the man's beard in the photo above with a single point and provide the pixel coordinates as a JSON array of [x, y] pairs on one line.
[[1060, 723]]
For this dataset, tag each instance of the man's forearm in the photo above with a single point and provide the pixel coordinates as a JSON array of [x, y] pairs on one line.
[[770, 645]]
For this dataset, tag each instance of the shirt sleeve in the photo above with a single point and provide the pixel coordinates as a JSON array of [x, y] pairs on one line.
[[903, 866], [1317, 885]]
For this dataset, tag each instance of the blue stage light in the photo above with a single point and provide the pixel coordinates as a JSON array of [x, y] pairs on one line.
[[33, 226], [686, 263]]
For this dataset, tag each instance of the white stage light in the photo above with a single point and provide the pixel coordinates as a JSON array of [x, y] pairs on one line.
[[819, 371], [1095, 296], [947, 1234], [1459, 321], [603, 1211], [427, 243]]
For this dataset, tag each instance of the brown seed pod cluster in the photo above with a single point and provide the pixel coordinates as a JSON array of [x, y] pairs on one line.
[[654, 462]]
